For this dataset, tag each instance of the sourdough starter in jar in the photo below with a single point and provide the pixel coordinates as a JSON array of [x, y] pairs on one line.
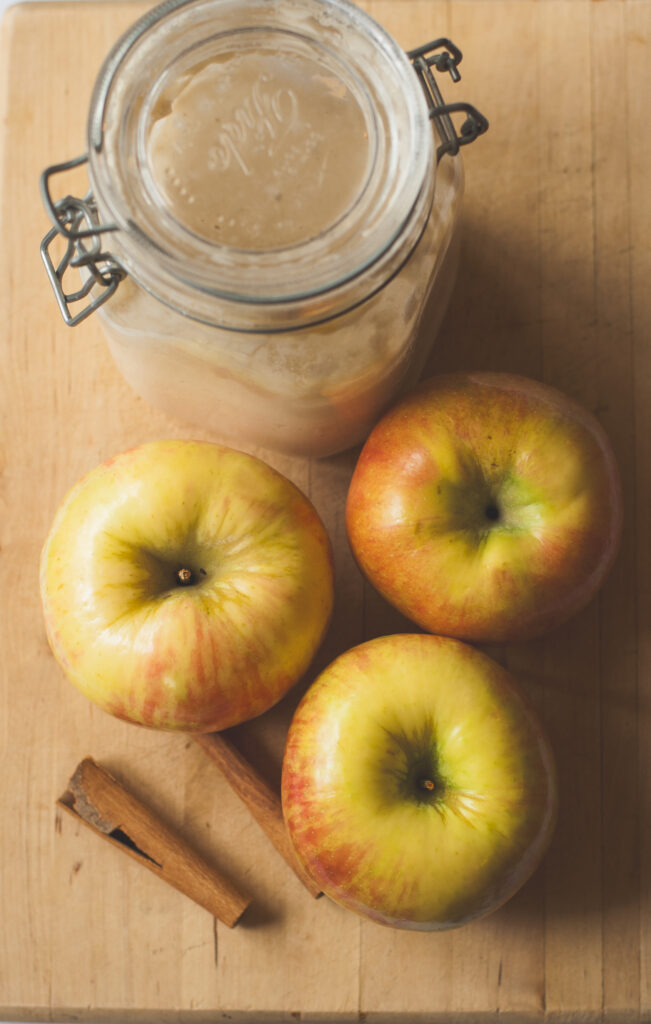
[[270, 168], [243, 162]]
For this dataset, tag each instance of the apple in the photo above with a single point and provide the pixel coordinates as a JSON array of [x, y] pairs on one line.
[[418, 786], [185, 585], [486, 506]]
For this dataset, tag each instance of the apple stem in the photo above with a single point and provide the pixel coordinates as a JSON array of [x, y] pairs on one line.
[[427, 784], [184, 576]]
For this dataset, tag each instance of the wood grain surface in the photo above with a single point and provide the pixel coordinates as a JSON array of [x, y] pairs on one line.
[[555, 283]]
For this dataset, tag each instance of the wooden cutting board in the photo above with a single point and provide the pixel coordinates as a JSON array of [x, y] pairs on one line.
[[555, 283]]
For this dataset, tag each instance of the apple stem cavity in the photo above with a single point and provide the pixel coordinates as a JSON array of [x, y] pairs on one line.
[[492, 511]]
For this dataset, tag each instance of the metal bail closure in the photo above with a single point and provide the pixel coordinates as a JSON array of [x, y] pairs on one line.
[[77, 221], [445, 56]]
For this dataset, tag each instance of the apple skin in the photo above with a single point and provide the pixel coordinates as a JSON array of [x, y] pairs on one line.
[[486, 506], [198, 657], [379, 720]]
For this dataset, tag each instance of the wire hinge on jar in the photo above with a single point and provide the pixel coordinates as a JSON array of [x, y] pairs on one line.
[[443, 55], [77, 221]]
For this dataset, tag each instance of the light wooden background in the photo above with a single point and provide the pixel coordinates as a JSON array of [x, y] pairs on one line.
[[555, 283]]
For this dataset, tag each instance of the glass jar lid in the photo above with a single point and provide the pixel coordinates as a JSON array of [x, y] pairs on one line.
[[258, 152]]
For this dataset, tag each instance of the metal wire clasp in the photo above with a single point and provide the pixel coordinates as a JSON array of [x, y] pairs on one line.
[[77, 221], [443, 55]]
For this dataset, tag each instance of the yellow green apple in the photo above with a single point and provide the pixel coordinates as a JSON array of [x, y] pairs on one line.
[[486, 506], [418, 785], [185, 585]]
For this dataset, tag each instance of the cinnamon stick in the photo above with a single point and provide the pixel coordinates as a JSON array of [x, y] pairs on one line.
[[97, 799], [261, 799]]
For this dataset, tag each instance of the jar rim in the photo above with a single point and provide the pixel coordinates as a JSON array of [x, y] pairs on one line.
[[217, 282]]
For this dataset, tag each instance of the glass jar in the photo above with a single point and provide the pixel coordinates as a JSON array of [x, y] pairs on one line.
[[280, 187]]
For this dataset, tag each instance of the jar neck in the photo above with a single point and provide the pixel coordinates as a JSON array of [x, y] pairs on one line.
[[339, 260]]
